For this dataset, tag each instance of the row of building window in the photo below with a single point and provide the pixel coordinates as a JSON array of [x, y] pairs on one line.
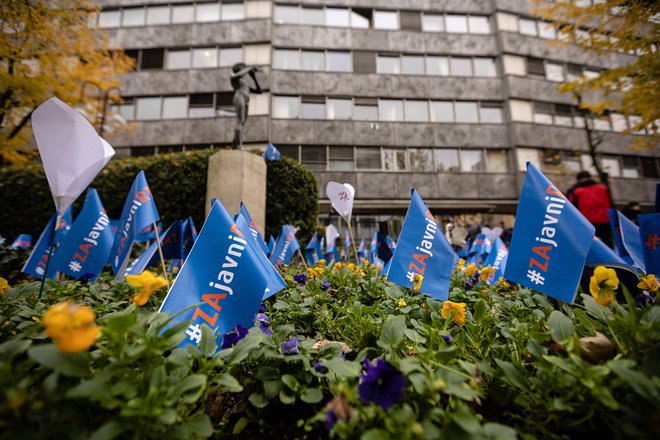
[[550, 70], [153, 15], [571, 162], [377, 109], [364, 18], [199, 57], [442, 160]]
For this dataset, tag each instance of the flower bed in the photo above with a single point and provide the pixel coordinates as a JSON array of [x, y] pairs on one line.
[[339, 353]]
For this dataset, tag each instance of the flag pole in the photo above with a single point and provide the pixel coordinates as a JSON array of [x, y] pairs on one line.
[[50, 254], [350, 231], [160, 252], [302, 258]]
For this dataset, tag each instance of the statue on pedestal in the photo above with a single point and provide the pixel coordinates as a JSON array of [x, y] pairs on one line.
[[242, 85]]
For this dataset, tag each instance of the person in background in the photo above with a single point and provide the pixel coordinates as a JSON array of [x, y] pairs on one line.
[[632, 210], [593, 199]]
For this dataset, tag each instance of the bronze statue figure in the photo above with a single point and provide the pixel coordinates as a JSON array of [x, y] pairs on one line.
[[242, 88]]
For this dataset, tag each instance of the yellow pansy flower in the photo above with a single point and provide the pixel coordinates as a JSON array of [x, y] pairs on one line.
[[648, 283], [321, 263], [149, 284], [470, 270], [602, 285], [460, 266], [4, 286], [484, 291], [315, 272], [458, 308], [417, 282], [486, 272], [402, 303], [503, 283], [72, 326]]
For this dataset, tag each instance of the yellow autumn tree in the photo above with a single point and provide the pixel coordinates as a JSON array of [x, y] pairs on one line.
[[49, 48], [607, 27]]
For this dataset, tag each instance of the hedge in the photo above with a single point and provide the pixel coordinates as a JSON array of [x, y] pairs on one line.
[[177, 180]]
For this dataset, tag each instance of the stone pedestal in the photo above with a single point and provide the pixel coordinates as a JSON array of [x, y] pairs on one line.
[[235, 176]]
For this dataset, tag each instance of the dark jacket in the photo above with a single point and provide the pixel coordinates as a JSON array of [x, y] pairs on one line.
[[593, 199]]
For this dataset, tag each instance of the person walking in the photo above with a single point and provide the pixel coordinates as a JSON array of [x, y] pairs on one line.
[[593, 199]]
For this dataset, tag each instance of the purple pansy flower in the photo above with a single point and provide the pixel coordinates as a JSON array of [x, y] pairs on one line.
[[290, 346], [300, 279], [448, 339], [85, 278], [381, 384], [330, 419], [319, 368], [325, 285], [230, 339], [472, 281], [264, 323], [262, 308]]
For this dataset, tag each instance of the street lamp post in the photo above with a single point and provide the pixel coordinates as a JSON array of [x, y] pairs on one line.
[[104, 95]]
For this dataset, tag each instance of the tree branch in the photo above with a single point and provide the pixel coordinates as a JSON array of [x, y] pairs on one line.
[[20, 125]]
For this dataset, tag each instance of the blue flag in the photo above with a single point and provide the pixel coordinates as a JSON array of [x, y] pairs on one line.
[[87, 246], [275, 281], [383, 250], [171, 243], [465, 250], [22, 241], [253, 228], [649, 230], [550, 242], [632, 241], [613, 214], [362, 252], [139, 211], [313, 250], [286, 246], [390, 242], [148, 234], [36, 263], [347, 244], [422, 249], [222, 276], [497, 259], [601, 255], [373, 248], [189, 236], [271, 246], [271, 153]]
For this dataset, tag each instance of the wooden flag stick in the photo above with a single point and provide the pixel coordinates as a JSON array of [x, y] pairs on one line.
[[302, 258], [50, 255], [350, 232], [160, 251]]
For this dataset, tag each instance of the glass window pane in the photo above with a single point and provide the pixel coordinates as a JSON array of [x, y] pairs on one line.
[[230, 56], [442, 111], [611, 166], [446, 160], [460, 66], [457, 24], [386, 20], [490, 114], [412, 65], [525, 155], [649, 167], [286, 106], [207, 12], [201, 112], [233, 11], [619, 122], [207, 57], [498, 161], [152, 58], [175, 107], [554, 72], [109, 19], [602, 123], [340, 159], [437, 66], [472, 161], [466, 112], [388, 64], [479, 25], [127, 111], [158, 15], [313, 60], [313, 16], [287, 14], [368, 158], [395, 160], [339, 61], [289, 151], [433, 23], [336, 17], [547, 31], [287, 59], [527, 27], [178, 59], [543, 112], [183, 14], [360, 18], [416, 111], [484, 67], [365, 113], [132, 17], [390, 110], [147, 108], [630, 167], [314, 157], [313, 110], [339, 108], [421, 159]]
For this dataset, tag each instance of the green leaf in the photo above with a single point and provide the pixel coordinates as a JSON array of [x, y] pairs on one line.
[[228, 383], [189, 389], [465, 419], [290, 382], [311, 395], [419, 381], [287, 399], [500, 432], [392, 333], [414, 336], [198, 426], [208, 345], [480, 310], [109, 430], [342, 368], [240, 425], [74, 365], [375, 434], [14, 347], [513, 374], [258, 400], [561, 327]]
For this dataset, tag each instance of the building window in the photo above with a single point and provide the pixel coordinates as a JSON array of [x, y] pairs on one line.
[[490, 112], [366, 109], [433, 23], [340, 159], [368, 158], [313, 16], [497, 161], [456, 24], [611, 166], [259, 104], [158, 15], [364, 62], [132, 17], [521, 110], [446, 160], [313, 107], [472, 161], [336, 17], [233, 11], [479, 25], [339, 108], [535, 67], [649, 167], [257, 54], [339, 61], [177, 59], [109, 19], [416, 111], [361, 18], [442, 111], [484, 67], [286, 107], [412, 65], [314, 157], [630, 167], [205, 57], [386, 20], [507, 22], [127, 109], [602, 122], [554, 72], [313, 60], [152, 59], [563, 115], [466, 112], [460, 66], [421, 159], [525, 155], [410, 21], [543, 112], [200, 105], [389, 64], [527, 27], [287, 59], [437, 65], [183, 14], [230, 56], [287, 14], [224, 105], [207, 12], [175, 107], [390, 110], [289, 151], [147, 109], [395, 159], [547, 30]]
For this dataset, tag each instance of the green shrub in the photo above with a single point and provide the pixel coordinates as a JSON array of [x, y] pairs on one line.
[[291, 197]]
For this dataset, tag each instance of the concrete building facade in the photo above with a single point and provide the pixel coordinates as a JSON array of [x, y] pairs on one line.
[[451, 97]]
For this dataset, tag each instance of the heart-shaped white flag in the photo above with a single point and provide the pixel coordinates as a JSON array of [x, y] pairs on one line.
[[341, 196]]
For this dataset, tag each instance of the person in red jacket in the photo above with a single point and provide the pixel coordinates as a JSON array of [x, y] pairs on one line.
[[593, 199]]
